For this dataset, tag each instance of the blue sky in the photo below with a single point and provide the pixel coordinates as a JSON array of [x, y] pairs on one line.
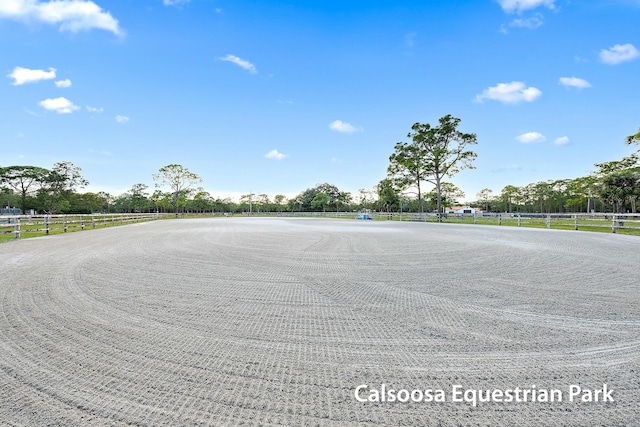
[[277, 96]]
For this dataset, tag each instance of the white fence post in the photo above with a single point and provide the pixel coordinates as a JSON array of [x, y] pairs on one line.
[[613, 223], [16, 229]]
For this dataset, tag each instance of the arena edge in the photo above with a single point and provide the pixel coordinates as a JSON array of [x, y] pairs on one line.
[[575, 393]]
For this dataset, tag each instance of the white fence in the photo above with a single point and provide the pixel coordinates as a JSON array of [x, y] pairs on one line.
[[575, 221], [36, 225], [17, 226]]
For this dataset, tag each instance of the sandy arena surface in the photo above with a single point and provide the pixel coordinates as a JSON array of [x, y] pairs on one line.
[[269, 322]]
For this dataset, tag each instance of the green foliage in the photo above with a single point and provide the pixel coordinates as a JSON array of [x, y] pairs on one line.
[[179, 180], [24, 180], [320, 200], [633, 139], [435, 152]]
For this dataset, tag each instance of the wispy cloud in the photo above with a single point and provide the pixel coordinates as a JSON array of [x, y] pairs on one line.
[[528, 23], [174, 2], [275, 154], [574, 82], [508, 168], [122, 119], [563, 140], [71, 15], [519, 6], [94, 109], [410, 39], [509, 93], [63, 83], [240, 63], [531, 138], [619, 53], [22, 75], [59, 105], [343, 127]]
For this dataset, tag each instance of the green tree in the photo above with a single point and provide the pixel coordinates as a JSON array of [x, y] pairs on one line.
[[139, 197], [64, 178], [449, 194], [388, 195], [279, 200], [180, 181], [24, 180], [484, 196], [621, 187], [508, 194], [633, 139], [435, 152], [320, 200]]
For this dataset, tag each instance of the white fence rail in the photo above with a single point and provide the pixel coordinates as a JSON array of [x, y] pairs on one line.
[[36, 225], [576, 221], [18, 226]]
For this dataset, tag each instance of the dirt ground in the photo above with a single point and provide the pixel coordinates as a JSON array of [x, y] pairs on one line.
[[270, 322]]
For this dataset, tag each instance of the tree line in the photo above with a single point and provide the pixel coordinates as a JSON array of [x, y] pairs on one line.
[[433, 154]]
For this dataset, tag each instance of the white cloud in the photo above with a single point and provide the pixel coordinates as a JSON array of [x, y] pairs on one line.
[[275, 154], [563, 140], [529, 23], [72, 15], [619, 53], [21, 75], [510, 93], [94, 109], [240, 63], [59, 105], [519, 6], [174, 2], [574, 82], [531, 137], [122, 119], [63, 83], [410, 39], [344, 127], [508, 168]]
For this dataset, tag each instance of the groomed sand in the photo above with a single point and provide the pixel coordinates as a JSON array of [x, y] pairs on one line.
[[276, 322]]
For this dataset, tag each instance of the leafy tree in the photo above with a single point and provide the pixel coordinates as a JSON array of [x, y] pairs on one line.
[[449, 193], [107, 199], [388, 194], [201, 201], [484, 196], [320, 200], [435, 152], [246, 202], [63, 179], [508, 194], [279, 200], [633, 139], [620, 187], [139, 197], [24, 180], [344, 199], [263, 202], [179, 180]]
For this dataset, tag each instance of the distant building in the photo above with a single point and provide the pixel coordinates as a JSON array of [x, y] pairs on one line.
[[462, 210], [10, 211]]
